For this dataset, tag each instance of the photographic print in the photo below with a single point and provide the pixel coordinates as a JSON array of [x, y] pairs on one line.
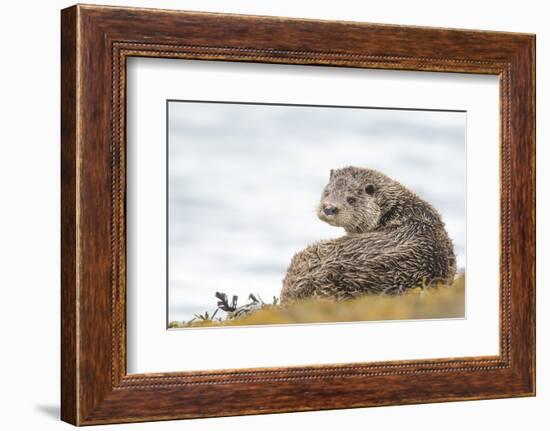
[[290, 214]]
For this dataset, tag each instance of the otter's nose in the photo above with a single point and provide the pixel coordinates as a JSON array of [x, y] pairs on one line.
[[330, 209]]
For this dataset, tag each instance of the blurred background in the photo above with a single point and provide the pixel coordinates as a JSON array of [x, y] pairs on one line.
[[245, 180]]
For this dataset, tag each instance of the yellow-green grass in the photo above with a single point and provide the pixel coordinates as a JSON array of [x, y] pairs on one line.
[[418, 303]]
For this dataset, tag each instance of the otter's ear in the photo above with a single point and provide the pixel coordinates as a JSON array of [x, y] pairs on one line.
[[370, 189], [331, 173]]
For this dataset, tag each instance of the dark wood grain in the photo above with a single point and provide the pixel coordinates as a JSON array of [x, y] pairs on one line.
[[96, 41], [69, 330]]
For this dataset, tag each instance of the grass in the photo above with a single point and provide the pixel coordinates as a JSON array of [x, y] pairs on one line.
[[418, 303]]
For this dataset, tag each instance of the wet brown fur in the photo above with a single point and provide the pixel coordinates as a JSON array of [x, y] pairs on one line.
[[394, 241]]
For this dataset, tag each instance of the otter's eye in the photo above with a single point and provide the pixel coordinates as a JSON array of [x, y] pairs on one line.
[[370, 189], [351, 200]]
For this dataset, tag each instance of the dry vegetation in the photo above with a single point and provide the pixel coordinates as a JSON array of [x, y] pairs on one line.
[[418, 303]]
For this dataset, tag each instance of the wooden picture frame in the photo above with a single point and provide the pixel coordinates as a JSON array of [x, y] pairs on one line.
[[95, 43]]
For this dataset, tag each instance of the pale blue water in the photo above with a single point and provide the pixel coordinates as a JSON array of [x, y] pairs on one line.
[[245, 180]]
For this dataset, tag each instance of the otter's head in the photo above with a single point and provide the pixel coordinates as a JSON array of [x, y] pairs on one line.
[[352, 199]]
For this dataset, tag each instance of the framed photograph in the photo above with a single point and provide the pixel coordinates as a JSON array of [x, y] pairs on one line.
[[325, 214]]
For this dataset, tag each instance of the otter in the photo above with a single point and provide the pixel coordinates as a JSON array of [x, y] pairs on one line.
[[394, 241]]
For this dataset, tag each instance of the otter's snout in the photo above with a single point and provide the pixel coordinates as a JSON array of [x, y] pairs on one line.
[[329, 209]]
